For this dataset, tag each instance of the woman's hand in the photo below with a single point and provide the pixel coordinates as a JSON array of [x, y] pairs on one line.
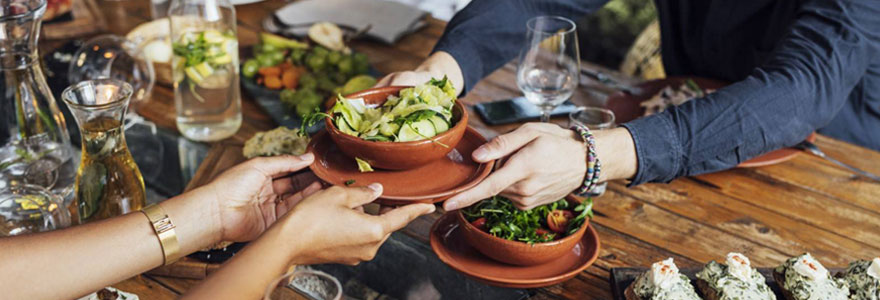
[[546, 163], [330, 226], [437, 65], [248, 198]]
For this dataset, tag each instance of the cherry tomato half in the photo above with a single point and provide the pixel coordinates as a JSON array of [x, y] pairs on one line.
[[480, 223], [558, 220]]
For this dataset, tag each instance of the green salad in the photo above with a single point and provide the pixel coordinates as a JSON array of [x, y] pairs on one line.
[[416, 113], [545, 223]]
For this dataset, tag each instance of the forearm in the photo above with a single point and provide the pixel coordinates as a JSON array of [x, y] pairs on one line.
[[73, 262], [262, 260], [617, 154]]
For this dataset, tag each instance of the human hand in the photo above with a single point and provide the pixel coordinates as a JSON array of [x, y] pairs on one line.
[[251, 196], [437, 65], [329, 225], [546, 163]]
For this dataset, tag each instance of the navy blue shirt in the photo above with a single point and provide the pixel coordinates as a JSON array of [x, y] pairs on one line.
[[797, 65]]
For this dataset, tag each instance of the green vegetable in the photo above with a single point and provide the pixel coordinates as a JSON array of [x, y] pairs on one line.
[[315, 62], [417, 113], [508, 222], [349, 182], [334, 57], [357, 84], [363, 165], [250, 68]]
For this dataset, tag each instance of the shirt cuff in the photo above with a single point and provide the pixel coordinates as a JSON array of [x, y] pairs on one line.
[[459, 46], [658, 151]]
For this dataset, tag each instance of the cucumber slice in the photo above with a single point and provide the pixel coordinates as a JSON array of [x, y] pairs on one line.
[[378, 138], [408, 134], [440, 124], [425, 128], [213, 36], [204, 69], [389, 129], [193, 75], [416, 131]]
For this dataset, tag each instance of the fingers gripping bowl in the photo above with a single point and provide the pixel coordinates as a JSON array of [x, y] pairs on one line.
[[525, 238], [402, 154]]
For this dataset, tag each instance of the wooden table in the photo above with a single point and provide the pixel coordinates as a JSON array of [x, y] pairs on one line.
[[768, 213]]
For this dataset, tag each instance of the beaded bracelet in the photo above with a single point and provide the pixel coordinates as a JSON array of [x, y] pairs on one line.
[[593, 165]]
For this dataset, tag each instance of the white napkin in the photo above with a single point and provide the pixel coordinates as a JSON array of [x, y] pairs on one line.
[[389, 20]]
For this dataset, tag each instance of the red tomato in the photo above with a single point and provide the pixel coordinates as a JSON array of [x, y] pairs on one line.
[[480, 223], [557, 220]]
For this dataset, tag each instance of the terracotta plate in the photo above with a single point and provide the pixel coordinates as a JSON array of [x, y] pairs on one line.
[[434, 182], [450, 246], [626, 108]]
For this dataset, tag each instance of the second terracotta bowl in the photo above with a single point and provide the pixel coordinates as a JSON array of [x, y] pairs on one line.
[[397, 155], [519, 253]]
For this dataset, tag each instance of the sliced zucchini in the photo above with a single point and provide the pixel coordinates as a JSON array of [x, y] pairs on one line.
[[440, 124], [408, 134]]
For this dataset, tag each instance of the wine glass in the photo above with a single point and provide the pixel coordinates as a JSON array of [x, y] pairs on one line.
[[549, 63]]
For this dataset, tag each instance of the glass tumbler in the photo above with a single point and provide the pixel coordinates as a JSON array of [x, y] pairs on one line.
[[594, 118], [30, 208]]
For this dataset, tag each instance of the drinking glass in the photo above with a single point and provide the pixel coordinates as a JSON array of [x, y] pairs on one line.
[[304, 284], [594, 118], [30, 208], [549, 63], [205, 69], [108, 182]]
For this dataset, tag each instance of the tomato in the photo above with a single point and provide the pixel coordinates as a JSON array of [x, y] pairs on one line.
[[480, 223], [558, 220]]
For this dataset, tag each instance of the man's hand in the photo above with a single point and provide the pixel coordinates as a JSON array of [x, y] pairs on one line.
[[437, 65], [546, 162]]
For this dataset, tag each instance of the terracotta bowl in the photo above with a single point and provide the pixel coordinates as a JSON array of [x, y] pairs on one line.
[[397, 155], [519, 253]]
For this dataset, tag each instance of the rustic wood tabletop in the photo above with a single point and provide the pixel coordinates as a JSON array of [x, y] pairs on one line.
[[768, 213]]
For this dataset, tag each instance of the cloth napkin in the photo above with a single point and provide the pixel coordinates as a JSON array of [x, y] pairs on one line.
[[390, 20]]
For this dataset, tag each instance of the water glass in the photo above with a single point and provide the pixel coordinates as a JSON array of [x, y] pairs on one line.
[[594, 118], [30, 208], [304, 284], [549, 63]]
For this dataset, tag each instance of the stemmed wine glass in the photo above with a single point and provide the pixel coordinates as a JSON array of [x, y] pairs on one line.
[[549, 63]]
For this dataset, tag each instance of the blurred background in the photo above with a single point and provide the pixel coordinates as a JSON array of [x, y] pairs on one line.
[[623, 35]]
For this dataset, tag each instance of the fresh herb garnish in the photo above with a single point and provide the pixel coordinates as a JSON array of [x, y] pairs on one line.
[[310, 120], [349, 182]]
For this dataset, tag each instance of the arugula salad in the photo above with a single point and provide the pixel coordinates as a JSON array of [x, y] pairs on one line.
[[545, 223], [416, 113]]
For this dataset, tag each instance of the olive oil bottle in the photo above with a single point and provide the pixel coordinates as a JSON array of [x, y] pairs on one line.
[[108, 182]]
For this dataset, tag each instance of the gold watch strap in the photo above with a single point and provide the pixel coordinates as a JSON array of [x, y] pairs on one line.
[[165, 231]]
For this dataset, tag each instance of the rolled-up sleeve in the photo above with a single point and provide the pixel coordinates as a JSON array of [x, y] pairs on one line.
[[799, 89], [486, 34]]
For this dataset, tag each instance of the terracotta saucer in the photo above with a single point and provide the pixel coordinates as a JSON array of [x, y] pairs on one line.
[[450, 246], [434, 182], [626, 108]]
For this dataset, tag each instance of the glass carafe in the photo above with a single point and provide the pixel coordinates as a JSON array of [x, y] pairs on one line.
[[35, 145], [205, 69], [108, 182]]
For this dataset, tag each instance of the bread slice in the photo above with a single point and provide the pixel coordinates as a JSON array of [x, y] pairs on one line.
[[780, 281]]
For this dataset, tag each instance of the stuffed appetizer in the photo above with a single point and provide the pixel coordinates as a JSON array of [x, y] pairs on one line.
[[735, 280], [662, 282], [804, 278], [863, 278]]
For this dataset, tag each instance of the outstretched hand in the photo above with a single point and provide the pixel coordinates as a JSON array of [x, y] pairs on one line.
[[251, 196], [545, 163]]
